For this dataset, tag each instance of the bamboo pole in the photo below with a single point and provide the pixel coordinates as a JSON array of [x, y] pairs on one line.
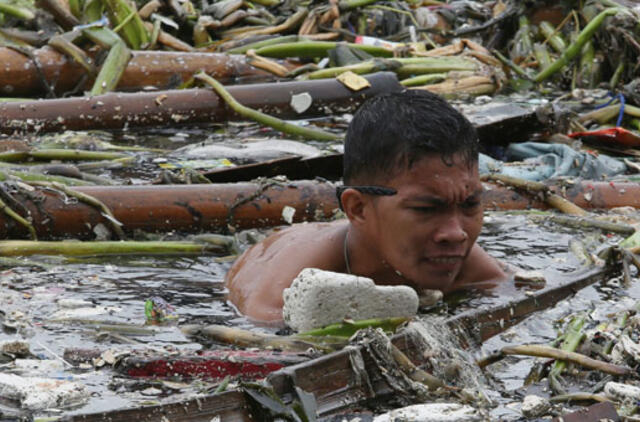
[[163, 108], [216, 207], [162, 69]]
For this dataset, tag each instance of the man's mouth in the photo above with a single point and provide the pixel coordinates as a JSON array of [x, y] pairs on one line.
[[446, 259]]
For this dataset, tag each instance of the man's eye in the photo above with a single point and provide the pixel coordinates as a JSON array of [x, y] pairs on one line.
[[424, 210], [470, 205]]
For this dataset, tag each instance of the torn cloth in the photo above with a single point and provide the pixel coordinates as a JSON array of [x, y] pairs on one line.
[[541, 161]]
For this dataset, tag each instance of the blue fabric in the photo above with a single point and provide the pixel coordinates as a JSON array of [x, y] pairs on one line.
[[540, 161]]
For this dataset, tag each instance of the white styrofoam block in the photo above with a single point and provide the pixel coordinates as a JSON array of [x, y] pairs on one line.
[[431, 412], [622, 392], [318, 298], [42, 393], [535, 406]]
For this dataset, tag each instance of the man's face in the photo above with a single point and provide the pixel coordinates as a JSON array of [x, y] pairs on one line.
[[427, 229]]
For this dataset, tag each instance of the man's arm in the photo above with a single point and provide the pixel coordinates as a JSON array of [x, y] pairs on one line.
[[258, 278]]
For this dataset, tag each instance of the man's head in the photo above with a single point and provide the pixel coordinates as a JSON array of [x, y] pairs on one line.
[[417, 145], [391, 131]]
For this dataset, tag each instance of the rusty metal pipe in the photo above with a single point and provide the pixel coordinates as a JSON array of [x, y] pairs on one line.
[[162, 108], [160, 69]]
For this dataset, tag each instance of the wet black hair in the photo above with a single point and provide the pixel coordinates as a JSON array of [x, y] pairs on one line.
[[391, 131]]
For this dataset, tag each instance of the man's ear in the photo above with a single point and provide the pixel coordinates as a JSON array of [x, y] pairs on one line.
[[353, 204]]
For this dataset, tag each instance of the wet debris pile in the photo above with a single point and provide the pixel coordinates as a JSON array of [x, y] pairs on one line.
[[594, 362], [236, 77]]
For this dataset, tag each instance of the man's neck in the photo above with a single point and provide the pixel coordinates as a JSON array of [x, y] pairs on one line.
[[364, 260]]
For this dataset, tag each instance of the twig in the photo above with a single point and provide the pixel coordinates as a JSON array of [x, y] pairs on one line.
[[415, 373], [585, 222], [573, 357], [554, 200], [580, 396]]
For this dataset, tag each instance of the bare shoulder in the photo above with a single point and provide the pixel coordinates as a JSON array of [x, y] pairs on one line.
[[480, 270], [257, 279]]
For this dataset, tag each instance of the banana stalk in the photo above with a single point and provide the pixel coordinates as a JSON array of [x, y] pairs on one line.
[[574, 337], [112, 69], [555, 39], [574, 49], [128, 23]]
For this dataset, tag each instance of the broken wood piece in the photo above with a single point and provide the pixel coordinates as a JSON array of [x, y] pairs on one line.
[[598, 412]]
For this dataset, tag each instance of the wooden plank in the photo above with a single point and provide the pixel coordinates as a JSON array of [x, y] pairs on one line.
[[486, 321], [496, 123], [231, 406]]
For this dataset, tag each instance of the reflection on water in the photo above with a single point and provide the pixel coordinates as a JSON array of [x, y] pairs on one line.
[[30, 297]]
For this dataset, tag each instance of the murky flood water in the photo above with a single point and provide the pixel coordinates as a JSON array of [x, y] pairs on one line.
[[57, 304], [116, 290]]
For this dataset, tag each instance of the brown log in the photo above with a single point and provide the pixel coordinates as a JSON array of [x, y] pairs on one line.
[[160, 69], [216, 207], [162, 108]]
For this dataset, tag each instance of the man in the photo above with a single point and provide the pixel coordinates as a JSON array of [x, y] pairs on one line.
[[412, 198]]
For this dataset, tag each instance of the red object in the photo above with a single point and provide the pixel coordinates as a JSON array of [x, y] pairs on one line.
[[618, 135], [212, 364]]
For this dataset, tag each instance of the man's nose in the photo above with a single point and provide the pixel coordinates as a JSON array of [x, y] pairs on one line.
[[451, 230]]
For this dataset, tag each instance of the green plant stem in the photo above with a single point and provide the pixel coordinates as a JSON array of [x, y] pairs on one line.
[[509, 63], [615, 78], [359, 68], [266, 3], [19, 12], [311, 49], [575, 48], [65, 46], [347, 329], [112, 69], [73, 248], [265, 119], [542, 55], [19, 219], [555, 39], [28, 177], [132, 29], [264, 43], [424, 79], [62, 155], [574, 337]]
